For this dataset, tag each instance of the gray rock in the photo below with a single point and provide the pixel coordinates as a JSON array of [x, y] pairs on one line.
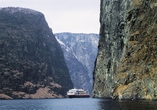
[[80, 51], [127, 57]]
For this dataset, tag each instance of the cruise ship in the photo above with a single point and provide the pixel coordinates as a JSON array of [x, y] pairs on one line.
[[77, 93]]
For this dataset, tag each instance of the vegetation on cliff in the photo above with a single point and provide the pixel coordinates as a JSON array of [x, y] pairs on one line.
[[32, 62]]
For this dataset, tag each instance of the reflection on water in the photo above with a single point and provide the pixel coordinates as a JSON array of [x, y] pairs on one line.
[[76, 104], [127, 105]]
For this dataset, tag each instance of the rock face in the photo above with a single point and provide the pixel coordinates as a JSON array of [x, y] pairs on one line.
[[126, 66], [32, 62], [80, 51]]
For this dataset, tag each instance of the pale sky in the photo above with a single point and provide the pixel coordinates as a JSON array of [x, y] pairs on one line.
[[76, 16]]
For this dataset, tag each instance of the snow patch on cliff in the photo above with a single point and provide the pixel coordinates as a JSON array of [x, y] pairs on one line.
[[13, 10]]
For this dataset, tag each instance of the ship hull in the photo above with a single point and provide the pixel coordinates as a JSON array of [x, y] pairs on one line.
[[78, 96]]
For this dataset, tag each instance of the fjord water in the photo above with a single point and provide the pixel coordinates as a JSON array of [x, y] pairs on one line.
[[76, 104]]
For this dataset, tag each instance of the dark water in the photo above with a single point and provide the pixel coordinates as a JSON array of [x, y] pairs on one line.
[[76, 104]]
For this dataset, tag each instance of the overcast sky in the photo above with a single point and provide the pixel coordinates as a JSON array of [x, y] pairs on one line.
[[76, 16]]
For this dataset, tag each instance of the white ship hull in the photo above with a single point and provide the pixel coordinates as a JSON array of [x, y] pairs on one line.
[[77, 93]]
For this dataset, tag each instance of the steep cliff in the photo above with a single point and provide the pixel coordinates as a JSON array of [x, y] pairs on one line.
[[78, 72], [126, 66], [32, 62], [80, 51]]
